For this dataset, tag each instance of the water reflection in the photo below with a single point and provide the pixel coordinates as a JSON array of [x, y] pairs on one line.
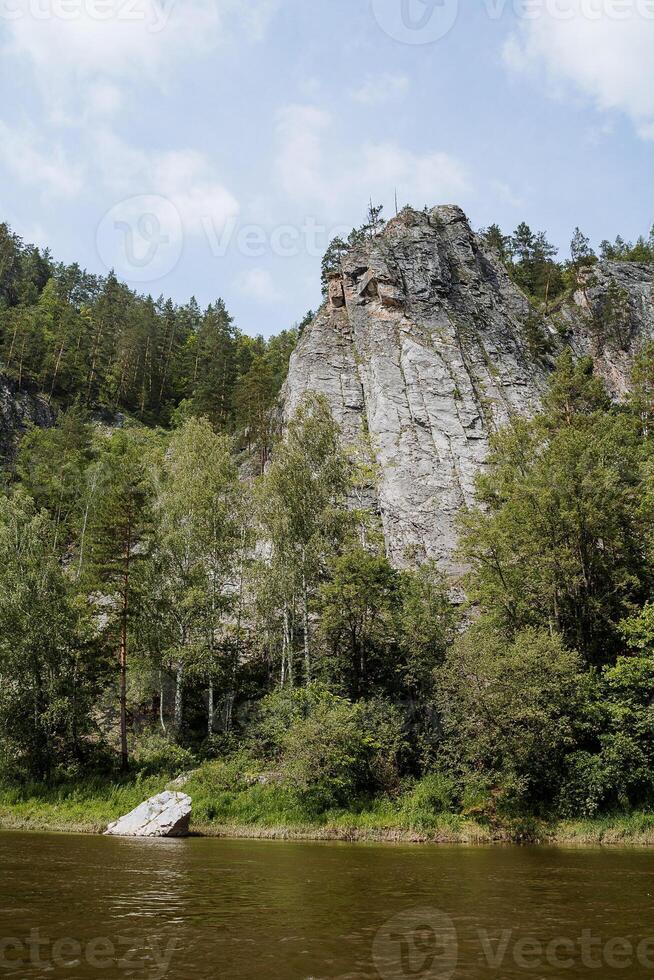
[[236, 909]]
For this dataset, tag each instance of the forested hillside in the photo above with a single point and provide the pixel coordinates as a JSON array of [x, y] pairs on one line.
[[86, 341], [181, 588]]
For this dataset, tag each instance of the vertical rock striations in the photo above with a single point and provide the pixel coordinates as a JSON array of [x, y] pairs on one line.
[[420, 351], [610, 317], [423, 348]]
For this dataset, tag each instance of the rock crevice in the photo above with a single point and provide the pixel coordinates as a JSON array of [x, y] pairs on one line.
[[420, 350]]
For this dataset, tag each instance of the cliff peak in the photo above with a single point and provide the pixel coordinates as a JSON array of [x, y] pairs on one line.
[[422, 349]]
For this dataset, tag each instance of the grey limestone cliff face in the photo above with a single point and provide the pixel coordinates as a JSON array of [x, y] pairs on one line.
[[421, 350], [610, 317], [18, 410]]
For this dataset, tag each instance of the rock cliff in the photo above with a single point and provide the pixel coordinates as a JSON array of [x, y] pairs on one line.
[[18, 410], [422, 350], [609, 318]]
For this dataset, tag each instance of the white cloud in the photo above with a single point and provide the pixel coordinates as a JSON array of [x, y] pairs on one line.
[[378, 89], [259, 284], [336, 180], [299, 161], [67, 45], [118, 173], [26, 157], [607, 58], [186, 178], [506, 194], [420, 178], [104, 99]]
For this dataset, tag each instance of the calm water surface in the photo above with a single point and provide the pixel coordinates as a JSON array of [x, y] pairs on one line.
[[101, 907]]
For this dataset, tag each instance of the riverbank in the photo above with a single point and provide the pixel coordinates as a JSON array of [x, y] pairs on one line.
[[268, 812]]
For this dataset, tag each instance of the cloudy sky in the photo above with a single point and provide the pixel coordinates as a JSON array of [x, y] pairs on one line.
[[213, 147]]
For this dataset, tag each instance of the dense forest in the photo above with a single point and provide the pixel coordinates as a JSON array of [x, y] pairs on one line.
[[179, 584], [91, 343]]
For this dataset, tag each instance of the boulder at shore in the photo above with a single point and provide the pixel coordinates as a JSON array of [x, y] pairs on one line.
[[165, 815]]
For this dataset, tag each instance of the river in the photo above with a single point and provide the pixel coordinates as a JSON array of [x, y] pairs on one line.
[[76, 906]]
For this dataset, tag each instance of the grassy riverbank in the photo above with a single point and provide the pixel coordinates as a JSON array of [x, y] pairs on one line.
[[269, 811]]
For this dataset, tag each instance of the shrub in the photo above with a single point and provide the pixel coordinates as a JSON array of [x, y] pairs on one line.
[[331, 750], [430, 797], [511, 712], [154, 754]]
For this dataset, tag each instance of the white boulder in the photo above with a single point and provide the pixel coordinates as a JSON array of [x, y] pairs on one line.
[[165, 815]]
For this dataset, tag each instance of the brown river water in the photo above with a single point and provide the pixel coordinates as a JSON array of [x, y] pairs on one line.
[[75, 906]]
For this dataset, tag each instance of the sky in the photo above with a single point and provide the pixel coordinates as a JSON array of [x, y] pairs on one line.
[[214, 147]]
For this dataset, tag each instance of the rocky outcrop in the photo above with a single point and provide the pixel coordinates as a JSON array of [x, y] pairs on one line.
[[165, 815], [610, 317], [18, 410], [421, 353], [424, 346]]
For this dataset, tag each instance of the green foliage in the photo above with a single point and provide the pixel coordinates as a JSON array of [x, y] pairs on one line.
[[495, 239], [641, 395], [538, 340], [358, 607], [51, 467], [623, 251], [428, 800], [509, 711], [331, 260], [89, 341], [195, 548], [612, 320], [618, 774], [358, 237], [581, 252], [575, 392], [154, 754], [249, 615], [530, 260], [49, 678], [301, 508], [339, 751], [426, 624], [557, 539]]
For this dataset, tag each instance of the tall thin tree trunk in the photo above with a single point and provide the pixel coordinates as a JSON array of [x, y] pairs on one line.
[[179, 696], [56, 370], [305, 630], [210, 710], [161, 704], [85, 524], [287, 650], [10, 355], [124, 750]]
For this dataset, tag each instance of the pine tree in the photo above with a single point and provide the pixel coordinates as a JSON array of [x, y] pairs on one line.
[[581, 253], [495, 239], [117, 535], [331, 261]]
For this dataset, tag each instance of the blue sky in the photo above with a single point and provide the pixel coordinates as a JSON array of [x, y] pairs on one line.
[[212, 147]]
